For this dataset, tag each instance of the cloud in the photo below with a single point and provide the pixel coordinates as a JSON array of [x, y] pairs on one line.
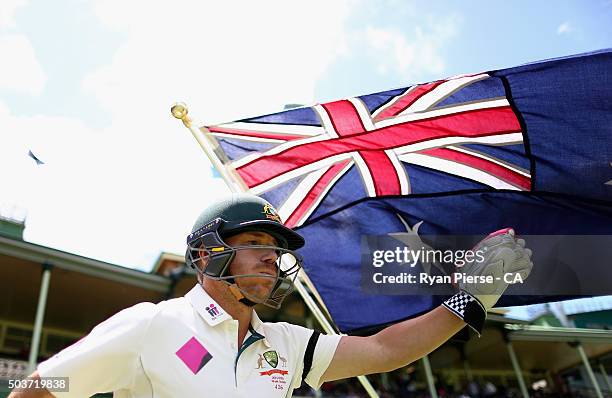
[[20, 72], [126, 191], [413, 53], [564, 28], [7, 12], [225, 59]]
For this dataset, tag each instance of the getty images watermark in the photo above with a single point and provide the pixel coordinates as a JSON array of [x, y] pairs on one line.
[[394, 265], [436, 258], [411, 264]]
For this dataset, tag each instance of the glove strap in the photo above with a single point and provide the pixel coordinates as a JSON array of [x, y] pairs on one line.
[[468, 308]]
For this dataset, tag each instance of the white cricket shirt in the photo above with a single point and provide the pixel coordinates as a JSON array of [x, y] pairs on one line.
[[187, 347]]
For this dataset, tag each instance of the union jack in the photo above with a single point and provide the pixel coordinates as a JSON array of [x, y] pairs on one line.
[[409, 128]]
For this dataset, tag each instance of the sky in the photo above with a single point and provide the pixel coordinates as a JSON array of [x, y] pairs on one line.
[[87, 87]]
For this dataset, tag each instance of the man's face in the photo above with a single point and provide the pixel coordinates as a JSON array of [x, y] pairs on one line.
[[254, 261]]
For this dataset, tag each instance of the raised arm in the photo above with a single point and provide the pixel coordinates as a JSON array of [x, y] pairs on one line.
[[407, 341], [394, 346]]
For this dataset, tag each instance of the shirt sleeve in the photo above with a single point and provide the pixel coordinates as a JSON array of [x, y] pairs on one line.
[[323, 354], [106, 359]]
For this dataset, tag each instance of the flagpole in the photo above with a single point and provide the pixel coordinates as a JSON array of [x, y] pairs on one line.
[[180, 111]]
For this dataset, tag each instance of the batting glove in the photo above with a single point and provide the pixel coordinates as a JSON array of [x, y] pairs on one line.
[[502, 258]]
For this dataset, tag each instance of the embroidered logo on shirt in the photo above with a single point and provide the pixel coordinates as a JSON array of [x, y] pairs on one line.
[[214, 314], [271, 360], [194, 355], [271, 357], [273, 372], [268, 362], [212, 310]]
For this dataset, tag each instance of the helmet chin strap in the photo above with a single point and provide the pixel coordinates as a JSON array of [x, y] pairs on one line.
[[235, 290]]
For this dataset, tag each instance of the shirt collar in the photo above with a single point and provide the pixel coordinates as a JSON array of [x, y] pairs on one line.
[[258, 325], [214, 314], [208, 308]]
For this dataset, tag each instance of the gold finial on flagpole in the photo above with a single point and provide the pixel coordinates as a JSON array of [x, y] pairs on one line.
[[210, 146], [179, 110]]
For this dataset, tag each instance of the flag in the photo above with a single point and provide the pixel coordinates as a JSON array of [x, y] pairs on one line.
[[528, 147]]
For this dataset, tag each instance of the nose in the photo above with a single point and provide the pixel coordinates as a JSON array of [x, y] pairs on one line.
[[269, 256]]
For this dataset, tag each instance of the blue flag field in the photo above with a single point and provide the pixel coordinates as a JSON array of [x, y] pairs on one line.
[[528, 147]]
